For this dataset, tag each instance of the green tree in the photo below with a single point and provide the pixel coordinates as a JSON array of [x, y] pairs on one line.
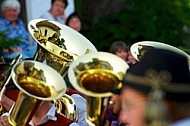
[[5, 42], [145, 20]]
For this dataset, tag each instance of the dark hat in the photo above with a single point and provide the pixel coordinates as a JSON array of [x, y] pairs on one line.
[[161, 68], [116, 91]]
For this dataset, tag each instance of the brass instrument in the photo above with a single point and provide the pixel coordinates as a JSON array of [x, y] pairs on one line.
[[71, 111], [58, 46], [6, 76], [36, 81], [139, 48], [95, 75]]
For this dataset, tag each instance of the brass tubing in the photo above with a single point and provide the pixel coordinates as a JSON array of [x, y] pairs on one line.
[[21, 110]]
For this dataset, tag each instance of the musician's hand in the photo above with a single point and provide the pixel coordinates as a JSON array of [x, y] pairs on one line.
[[4, 121], [6, 102]]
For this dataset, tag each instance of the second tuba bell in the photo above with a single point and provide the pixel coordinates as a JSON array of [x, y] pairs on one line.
[[95, 75]]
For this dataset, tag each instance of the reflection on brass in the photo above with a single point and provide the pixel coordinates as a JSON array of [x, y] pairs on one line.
[[36, 81], [33, 80], [34, 86], [94, 64], [67, 104], [95, 73], [48, 24], [92, 79], [21, 110], [88, 51], [142, 50], [49, 32], [55, 62], [66, 55]]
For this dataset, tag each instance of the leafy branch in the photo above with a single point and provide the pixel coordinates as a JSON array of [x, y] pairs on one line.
[[7, 42]]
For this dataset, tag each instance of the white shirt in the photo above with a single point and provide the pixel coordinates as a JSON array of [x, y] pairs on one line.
[[82, 109], [49, 116], [183, 122], [48, 15]]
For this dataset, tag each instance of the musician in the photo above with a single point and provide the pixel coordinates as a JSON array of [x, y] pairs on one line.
[[43, 117], [114, 109], [156, 91], [46, 114]]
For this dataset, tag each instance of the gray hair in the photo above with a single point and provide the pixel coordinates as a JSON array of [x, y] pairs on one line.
[[10, 3]]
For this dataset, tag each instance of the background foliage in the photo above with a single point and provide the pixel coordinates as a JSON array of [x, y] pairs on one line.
[[151, 20], [5, 42]]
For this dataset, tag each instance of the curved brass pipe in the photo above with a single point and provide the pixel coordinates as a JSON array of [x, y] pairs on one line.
[[67, 107]]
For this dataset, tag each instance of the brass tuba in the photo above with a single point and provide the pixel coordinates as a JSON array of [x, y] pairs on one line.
[[95, 75], [58, 46], [36, 81]]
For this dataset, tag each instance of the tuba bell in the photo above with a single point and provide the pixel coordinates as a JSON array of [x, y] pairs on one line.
[[36, 81], [58, 46], [95, 75]]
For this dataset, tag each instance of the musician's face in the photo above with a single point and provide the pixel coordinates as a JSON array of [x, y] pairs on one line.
[[133, 104]]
